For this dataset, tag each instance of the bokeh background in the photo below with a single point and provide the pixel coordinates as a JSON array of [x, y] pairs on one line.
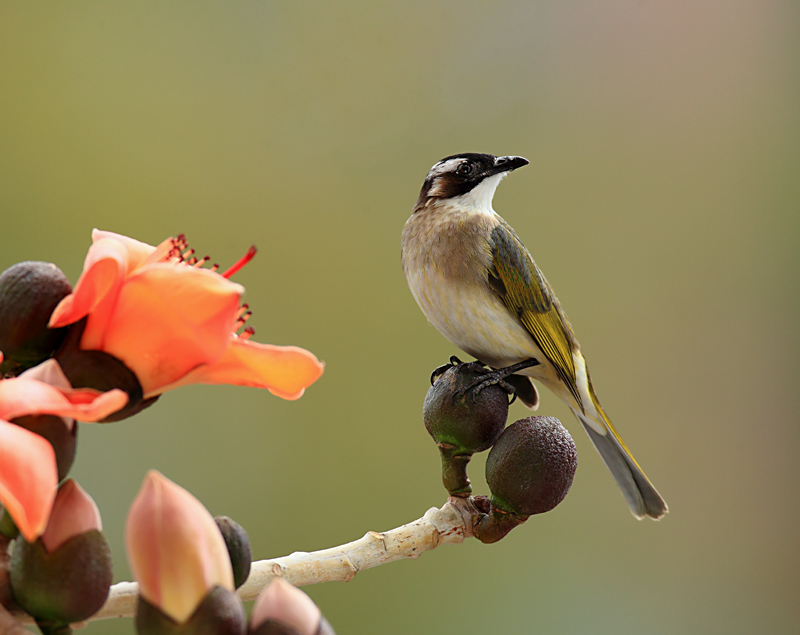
[[662, 202]]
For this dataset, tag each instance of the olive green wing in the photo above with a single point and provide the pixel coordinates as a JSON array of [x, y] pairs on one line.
[[524, 290]]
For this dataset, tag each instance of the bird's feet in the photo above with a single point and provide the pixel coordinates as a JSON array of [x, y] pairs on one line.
[[490, 377], [438, 372]]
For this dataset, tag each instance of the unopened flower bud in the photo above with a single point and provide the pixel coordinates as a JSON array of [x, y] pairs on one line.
[[65, 576], [74, 513], [219, 613], [529, 470], [462, 421], [282, 609], [175, 549], [29, 291], [238, 543]]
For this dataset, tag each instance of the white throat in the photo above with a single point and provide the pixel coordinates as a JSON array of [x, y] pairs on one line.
[[480, 197]]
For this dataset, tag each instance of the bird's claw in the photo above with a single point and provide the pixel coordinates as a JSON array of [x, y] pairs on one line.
[[441, 370], [490, 377]]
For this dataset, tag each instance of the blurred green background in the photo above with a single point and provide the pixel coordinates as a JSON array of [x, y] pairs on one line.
[[662, 202]]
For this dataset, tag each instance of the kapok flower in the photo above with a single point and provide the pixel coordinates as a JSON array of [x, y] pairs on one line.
[[45, 390], [174, 323], [175, 549], [28, 476]]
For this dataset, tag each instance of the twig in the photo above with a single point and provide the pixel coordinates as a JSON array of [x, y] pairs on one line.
[[450, 524]]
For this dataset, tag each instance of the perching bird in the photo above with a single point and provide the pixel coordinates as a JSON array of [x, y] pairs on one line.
[[478, 285]]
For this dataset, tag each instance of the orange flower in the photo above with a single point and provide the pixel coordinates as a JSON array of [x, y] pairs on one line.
[[28, 476], [172, 322], [43, 390]]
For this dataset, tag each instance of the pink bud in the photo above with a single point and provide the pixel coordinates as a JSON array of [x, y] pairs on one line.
[[175, 549], [28, 478], [284, 603], [74, 513]]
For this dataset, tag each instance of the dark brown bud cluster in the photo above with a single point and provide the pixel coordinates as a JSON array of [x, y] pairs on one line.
[[531, 463]]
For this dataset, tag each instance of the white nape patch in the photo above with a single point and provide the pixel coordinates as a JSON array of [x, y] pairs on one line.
[[441, 168], [444, 167], [480, 196]]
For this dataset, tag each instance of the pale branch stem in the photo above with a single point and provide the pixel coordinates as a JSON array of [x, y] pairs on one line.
[[450, 524]]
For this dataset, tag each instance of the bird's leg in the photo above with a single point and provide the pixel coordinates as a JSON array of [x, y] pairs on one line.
[[437, 372], [497, 377]]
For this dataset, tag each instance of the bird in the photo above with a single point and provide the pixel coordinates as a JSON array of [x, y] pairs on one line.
[[478, 286]]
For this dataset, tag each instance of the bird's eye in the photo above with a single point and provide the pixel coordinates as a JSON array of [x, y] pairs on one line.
[[464, 169]]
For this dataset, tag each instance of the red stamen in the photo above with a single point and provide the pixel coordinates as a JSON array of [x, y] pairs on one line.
[[247, 333], [241, 262], [242, 319], [214, 267], [180, 250], [201, 262], [242, 309], [175, 250]]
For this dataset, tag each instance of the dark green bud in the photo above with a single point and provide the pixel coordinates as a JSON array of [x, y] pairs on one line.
[[276, 627], [463, 421], [66, 586], [101, 371], [531, 466], [455, 415], [29, 291], [62, 438], [220, 613], [238, 543]]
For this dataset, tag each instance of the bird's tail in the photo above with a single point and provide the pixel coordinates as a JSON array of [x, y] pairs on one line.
[[642, 497]]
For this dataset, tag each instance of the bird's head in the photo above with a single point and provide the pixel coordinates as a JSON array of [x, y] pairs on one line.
[[469, 179]]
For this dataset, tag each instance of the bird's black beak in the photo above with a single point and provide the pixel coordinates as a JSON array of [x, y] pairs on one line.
[[506, 164]]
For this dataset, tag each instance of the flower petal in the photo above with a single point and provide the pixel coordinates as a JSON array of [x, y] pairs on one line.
[[23, 396], [169, 319], [136, 252], [175, 549], [286, 371], [95, 294], [49, 372], [28, 478], [74, 513]]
